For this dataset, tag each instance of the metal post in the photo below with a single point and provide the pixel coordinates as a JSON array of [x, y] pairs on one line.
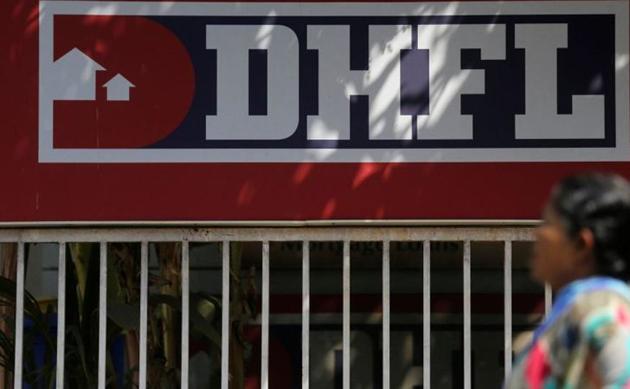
[[426, 314], [185, 312], [306, 307], [346, 315], [264, 357], [102, 316], [225, 317], [548, 299], [61, 315], [144, 297], [507, 307], [19, 316], [467, 335], [386, 314]]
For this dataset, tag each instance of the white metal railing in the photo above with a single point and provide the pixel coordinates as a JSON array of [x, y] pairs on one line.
[[266, 235], [426, 313], [61, 314], [19, 315], [144, 287], [102, 314], [507, 306]]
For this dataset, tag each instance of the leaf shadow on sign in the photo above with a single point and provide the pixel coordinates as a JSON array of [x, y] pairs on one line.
[[365, 190], [325, 185]]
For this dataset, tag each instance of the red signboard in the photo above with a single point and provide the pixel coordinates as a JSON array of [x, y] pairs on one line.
[[200, 111]]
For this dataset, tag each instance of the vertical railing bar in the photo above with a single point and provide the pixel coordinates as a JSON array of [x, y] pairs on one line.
[[144, 300], [264, 357], [102, 316], [61, 315], [548, 299], [346, 315], [185, 312], [306, 307], [19, 316], [386, 314], [467, 351], [225, 316], [507, 306], [426, 314]]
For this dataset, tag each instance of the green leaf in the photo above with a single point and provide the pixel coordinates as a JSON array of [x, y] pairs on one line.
[[80, 348], [126, 316]]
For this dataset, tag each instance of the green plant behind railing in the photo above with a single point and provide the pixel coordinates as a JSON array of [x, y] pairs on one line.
[[164, 318]]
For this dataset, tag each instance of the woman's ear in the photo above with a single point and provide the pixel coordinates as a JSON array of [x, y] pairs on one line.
[[586, 240]]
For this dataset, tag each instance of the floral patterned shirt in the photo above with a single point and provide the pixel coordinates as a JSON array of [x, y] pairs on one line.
[[583, 343]]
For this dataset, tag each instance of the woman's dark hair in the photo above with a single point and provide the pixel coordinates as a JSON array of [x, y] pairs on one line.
[[600, 203]]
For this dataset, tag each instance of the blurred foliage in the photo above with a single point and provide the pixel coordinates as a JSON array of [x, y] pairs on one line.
[[123, 314]]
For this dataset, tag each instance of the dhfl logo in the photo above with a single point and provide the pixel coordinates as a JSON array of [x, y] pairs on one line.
[[119, 82], [292, 82]]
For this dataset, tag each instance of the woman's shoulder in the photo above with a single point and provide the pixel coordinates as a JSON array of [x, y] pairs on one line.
[[603, 307], [604, 296]]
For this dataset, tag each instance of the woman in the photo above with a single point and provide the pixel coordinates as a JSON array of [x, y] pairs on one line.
[[582, 251]]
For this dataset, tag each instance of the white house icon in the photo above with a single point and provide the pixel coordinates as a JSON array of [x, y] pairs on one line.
[[118, 88], [74, 76]]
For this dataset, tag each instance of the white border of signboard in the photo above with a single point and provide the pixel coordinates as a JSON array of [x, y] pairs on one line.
[[50, 154]]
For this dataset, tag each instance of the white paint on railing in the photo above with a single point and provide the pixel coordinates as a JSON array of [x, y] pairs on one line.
[[426, 314], [507, 307], [225, 317], [306, 308], [264, 344], [102, 316], [144, 297], [467, 349], [259, 234], [346, 315], [185, 313], [386, 314], [61, 315], [19, 316], [548, 299]]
